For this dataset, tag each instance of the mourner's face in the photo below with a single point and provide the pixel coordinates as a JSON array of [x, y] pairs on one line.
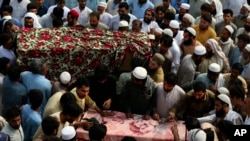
[[28, 22], [167, 87], [122, 11], [185, 22], [199, 95], [219, 110], [15, 122], [82, 3], [224, 35], [159, 15], [83, 91], [153, 65], [148, 17], [100, 9], [39, 2]]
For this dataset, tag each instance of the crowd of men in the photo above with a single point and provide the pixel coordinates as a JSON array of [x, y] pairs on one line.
[[199, 70]]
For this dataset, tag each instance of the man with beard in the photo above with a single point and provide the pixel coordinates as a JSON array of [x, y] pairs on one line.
[[139, 7], [187, 21], [189, 42], [177, 34], [168, 94], [197, 103], [245, 60], [154, 67], [222, 112], [225, 41], [240, 19], [245, 29], [94, 23], [183, 10], [72, 18], [105, 17], [83, 11], [187, 71], [167, 18], [148, 23], [205, 8], [13, 126]]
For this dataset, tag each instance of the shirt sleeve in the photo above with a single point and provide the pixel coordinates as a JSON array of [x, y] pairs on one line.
[[89, 102]]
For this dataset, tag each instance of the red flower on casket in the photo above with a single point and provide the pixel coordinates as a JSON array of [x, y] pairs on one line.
[[70, 46], [66, 60], [118, 34], [57, 51], [40, 44], [118, 40], [57, 44], [66, 38], [108, 45], [55, 66], [94, 64], [34, 53], [97, 32], [45, 35], [25, 47], [78, 60], [141, 43]]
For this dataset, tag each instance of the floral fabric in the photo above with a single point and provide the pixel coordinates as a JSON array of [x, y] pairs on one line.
[[79, 50]]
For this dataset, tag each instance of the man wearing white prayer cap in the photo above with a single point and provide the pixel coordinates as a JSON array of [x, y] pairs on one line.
[[177, 34], [63, 83], [240, 18], [222, 111], [148, 21], [187, 21], [189, 41], [31, 21], [123, 26], [105, 17], [68, 133], [184, 8], [138, 93], [197, 135], [168, 32], [187, 70], [246, 27], [245, 60]]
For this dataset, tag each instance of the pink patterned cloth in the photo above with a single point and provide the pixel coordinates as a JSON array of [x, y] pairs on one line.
[[143, 130]]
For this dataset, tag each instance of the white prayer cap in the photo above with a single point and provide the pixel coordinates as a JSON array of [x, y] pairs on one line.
[[174, 24], [123, 23], [7, 17], [200, 50], [229, 28], [189, 17], [214, 67], [65, 77], [151, 36], [247, 47], [197, 135], [185, 6], [168, 32], [247, 6], [68, 133], [102, 4], [223, 90], [225, 98], [140, 73], [191, 30], [158, 30]]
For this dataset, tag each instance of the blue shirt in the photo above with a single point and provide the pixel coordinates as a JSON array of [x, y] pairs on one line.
[[138, 10], [42, 10], [31, 120], [204, 78], [92, 4], [234, 58], [176, 6], [14, 94], [37, 81]]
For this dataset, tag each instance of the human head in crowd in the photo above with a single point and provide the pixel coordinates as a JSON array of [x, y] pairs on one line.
[[123, 26], [97, 132], [32, 7], [125, 17], [31, 20], [226, 129], [65, 79], [236, 70], [234, 82], [102, 73], [237, 96], [38, 66], [174, 26], [128, 138], [57, 12], [199, 90], [136, 26], [166, 3], [213, 72], [245, 106], [14, 73], [82, 4], [184, 8], [6, 41], [6, 10], [149, 15], [6, 26], [189, 36], [167, 18], [222, 102], [210, 134], [227, 16], [244, 11], [67, 98], [68, 133], [216, 7], [50, 126], [94, 18], [4, 65], [243, 40], [139, 76], [155, 62], [192, 123], [72, 17], [197, 135], [226, 33], [57, 22], [212, 48], [159, 14], [246, 53], [135, 62], [223, 90], [35, 98], [187, 21], [13, 117], [60, 3], [205, 22], [82, 87], [199, 54], [72, 112], [206, 9], [247, 24], [101, 8], [165, 43], [170, 80], [123, 8], [39, 3]]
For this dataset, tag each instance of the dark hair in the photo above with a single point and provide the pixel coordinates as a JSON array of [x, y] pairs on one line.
[[67, 98], [166, 40], [3, 24], [31, 6], [57, 22], [160, 8], [237, 92], [135, 62], [3, 63], [58, 12], [226, 127], [189, 34], [97, 132], [95, 14], [170, 78], [228, 11], [35, 98], [125, 17], [199, 86], [7, 8], [206, 7], [207, 18], [235, 82], [244, 37], [5, 37], [14, 72], [238, 66], [36, 65], [72, 109], [169, 15], [210, 134], [49, 125], [102, 72], [139, 21], [192, 123], [82, 81], [12, 112], [128, 138], [124, 5]]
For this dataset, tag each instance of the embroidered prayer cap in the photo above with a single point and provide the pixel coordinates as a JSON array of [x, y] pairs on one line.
[[74, 13], [229, 28], [185, 6], [68, 133], [65, 77], [123, 23], [174, 24], [225, 98], [151, 36], [191, 30], [102, 4], [197, 135], [140, 73], [200, 50], [214, 67], [168, 32], [247, 47], [158, 58]]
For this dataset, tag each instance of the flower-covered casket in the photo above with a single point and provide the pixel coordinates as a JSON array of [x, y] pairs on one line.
[[79, 50]]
